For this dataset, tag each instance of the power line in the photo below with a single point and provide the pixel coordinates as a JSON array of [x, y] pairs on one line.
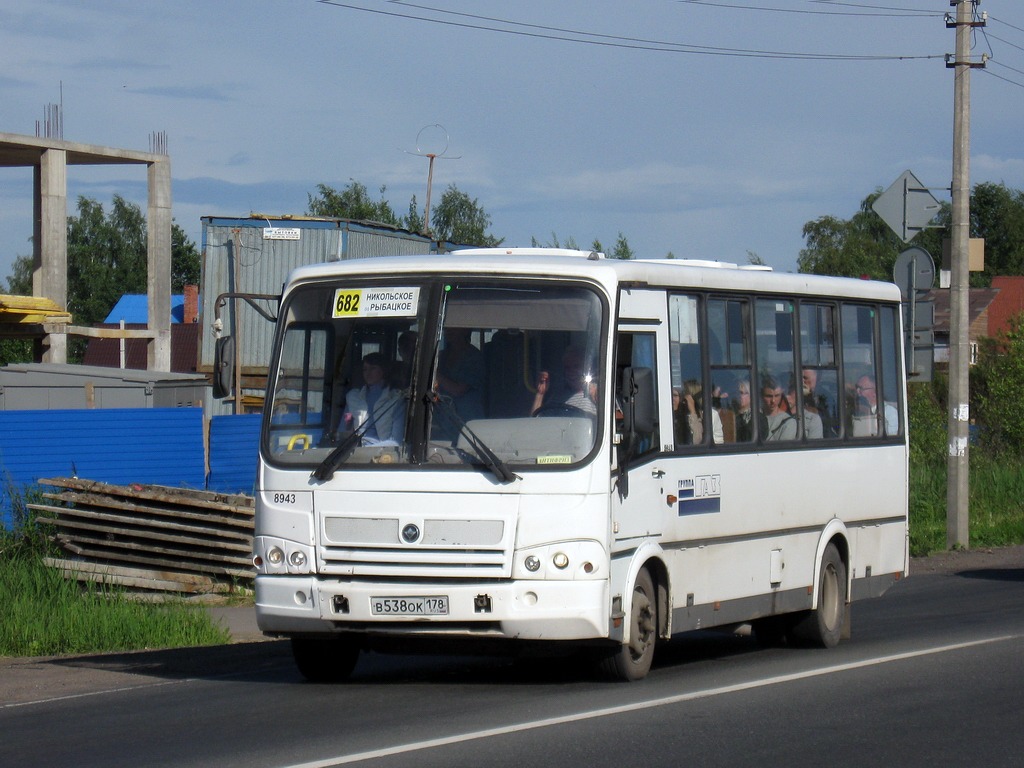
[[1004, 42], [987, 71], [1005, 23], [870, 10], [614, 41]]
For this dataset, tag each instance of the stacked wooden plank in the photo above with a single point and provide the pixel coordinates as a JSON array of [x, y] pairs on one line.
[[31, 309], [151, 537]]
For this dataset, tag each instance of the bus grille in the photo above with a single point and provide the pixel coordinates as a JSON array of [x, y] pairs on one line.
[[375, 547]]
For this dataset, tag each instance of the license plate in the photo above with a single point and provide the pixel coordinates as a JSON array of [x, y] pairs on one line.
[[431, 605]]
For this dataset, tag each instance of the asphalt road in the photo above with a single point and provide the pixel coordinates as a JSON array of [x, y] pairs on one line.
[[933, 675]]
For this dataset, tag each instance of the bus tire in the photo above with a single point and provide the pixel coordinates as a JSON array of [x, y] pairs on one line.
[[325, 659], [825, 625], [632, 661]]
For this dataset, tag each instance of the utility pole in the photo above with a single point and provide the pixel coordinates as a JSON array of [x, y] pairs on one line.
[[430, 170], [957, 465]]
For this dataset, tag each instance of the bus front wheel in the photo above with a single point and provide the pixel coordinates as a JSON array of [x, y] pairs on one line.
[[325, 659], [825, 625], [632, 660]]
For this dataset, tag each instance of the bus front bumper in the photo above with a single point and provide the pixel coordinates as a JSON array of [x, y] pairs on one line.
[[525, 610]]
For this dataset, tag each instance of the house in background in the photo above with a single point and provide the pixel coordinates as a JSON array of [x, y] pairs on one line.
[[131, 309], [989, 313], [1007, 304], [979, 301]]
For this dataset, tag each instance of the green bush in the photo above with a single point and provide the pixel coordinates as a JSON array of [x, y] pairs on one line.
[[997, 390]]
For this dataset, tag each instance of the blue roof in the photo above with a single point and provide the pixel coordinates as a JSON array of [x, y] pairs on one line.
[[134, 308]]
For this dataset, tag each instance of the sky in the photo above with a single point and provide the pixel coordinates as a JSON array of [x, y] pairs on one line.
[[710, 129]]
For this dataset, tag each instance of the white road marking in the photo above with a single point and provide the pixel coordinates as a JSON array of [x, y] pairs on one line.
[[633, 707]]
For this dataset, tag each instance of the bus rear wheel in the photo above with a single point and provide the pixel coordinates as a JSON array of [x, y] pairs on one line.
[[826, 624], [632, 661], [325, 659]]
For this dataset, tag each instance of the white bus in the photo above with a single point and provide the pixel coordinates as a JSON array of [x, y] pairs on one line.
[[546, 445]]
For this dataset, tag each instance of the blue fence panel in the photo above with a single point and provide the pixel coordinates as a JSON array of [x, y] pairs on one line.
[[234, 443], [160, 446]]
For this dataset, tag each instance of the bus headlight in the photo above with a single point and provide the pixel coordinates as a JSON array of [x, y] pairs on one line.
[[562, 561], [274, 555]]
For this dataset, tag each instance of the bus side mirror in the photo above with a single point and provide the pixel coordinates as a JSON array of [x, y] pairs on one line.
[[638, 400], [223, 366]]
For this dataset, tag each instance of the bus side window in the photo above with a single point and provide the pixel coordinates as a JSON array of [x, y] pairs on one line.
[[730, 354], [819, 376], [636, 352], [776, 367], [695, 418]]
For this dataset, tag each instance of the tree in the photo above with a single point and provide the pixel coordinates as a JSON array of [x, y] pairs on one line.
[[997, 214], [414, 220], [186, 267], [460, 219], [570, 244], [107, 257], [457, 218], [864, 244], [622, 249], [353, 202]]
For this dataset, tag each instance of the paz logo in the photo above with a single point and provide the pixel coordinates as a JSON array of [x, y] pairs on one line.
[[700, 495]]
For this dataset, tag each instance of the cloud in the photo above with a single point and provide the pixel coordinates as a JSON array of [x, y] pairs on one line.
[[197, 92]]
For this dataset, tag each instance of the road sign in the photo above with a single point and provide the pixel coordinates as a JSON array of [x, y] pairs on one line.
[[914, 271], [906, 206]]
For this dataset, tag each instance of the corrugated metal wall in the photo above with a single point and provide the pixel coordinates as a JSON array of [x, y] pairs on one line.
[[238, 258], [233, 449], [162, 446]]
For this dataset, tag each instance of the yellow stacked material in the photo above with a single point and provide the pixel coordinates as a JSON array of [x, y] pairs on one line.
[[31, 309]]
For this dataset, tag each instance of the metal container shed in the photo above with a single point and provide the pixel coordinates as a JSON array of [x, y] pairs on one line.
[[53, 386], [256, 255]]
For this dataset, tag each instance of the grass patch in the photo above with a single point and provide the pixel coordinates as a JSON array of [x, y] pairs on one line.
[[45, 614], [996, 503]]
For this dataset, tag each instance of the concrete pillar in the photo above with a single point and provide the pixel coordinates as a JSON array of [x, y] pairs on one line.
[[50, 243], [158, 287]]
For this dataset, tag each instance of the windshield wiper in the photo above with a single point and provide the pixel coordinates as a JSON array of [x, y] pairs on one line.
[[337, 457], [490, 459]]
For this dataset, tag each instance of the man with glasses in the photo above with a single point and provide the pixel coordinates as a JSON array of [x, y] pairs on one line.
[[866, 420]]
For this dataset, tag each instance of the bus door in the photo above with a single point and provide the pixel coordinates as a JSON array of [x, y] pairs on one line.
[[640, 483]]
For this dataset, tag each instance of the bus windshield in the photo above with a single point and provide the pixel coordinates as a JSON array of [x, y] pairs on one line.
[[423, 371]]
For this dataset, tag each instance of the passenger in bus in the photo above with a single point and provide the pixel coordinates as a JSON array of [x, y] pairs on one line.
[[806, 417], [744, 412], [578, 389], [460, 375], [375, 408], [688, 415], [780, 425], [401, 372], [685, 423], [865, 420], [816, 401]]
